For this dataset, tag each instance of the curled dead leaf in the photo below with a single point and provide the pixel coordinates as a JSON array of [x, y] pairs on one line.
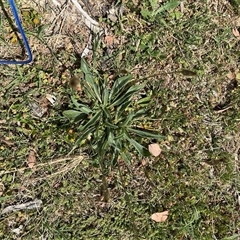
[[51, 98], [154, 149], [235, 32], [160, 216]]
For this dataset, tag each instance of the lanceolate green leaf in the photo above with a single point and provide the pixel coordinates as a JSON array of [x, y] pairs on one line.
[[167, 6], [94, 119], [103, 144], [72, 114], [121, 109], [84, 134], [90, 81], [144, 101], [75, 102], [119, 85], [128, 119], [111, 139], [128, 95], [85, 110], [141, 149], [126, 157], [140, 113], [106, 113], [110, 125], [81, 107], [105, 96], [145, 133]]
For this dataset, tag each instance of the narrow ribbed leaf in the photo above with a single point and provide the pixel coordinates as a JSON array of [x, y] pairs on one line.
[[128, 95], [119, 85], [105, 96], [106, 112], [85, 110], [81, 107], [94, 119], [141, 149], [110, 125], [128, 119], [140, 113], [103, 144], [145, 133], [167, 6], [90, 80], [121, 109], [144, 101], [84, 135], [72, 114], [126, 156]]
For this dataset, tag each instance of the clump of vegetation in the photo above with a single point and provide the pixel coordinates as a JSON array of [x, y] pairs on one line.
[[108, 117]]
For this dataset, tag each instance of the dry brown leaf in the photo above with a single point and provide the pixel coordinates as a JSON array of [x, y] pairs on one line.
[[109, 40], [154, 149], [31, 160], [235, 32], [160, 216], [231, 75], [51, 98], [144, 162]]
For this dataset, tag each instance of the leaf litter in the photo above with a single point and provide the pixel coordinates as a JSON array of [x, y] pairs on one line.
[[159, 216], [31, 160]]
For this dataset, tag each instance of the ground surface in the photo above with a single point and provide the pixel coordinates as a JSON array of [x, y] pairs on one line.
[[193, 51]]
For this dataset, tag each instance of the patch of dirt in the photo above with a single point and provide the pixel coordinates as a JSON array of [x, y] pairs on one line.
[[52, 29]]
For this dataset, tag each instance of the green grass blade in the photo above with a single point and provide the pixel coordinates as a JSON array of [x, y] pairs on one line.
[[140, 113]]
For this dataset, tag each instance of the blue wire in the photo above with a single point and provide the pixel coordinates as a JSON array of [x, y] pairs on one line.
[[25, 41]]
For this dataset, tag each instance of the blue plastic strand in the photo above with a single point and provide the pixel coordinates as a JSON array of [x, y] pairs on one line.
[[25, 41]]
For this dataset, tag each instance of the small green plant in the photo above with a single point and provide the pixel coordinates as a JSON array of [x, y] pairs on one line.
[[150, 8], [108, 117]]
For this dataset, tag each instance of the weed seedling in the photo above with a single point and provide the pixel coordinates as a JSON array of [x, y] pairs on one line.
[[108, 117]]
